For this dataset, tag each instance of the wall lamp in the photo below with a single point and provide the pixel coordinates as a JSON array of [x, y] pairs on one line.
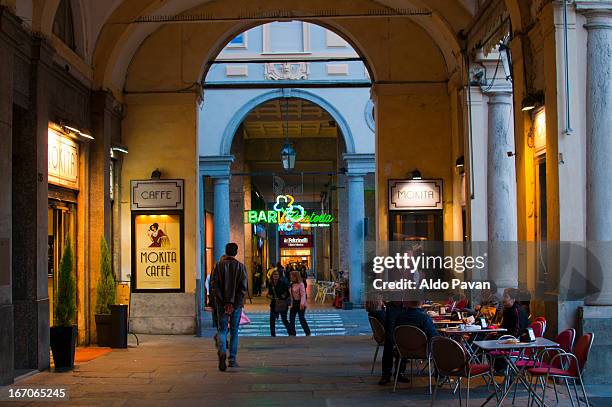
[[415, 174], [156, 174], [120, 148], [532, 100], [460, 162], [75, 131]]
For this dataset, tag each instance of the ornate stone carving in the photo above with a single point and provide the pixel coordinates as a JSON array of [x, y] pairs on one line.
[[286, 71]]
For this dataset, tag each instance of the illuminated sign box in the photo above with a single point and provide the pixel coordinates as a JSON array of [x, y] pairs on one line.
[[157, 194], [63, 160], [157, 236], [415, 194], [295, 241]]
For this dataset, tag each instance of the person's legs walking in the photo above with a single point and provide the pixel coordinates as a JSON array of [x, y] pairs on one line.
[[234, 325], [305, 327], [292, 313], [222, 321], [272, 320], [285, 321]]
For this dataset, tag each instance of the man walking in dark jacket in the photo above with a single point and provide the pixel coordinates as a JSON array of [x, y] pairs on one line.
[[229, 285]]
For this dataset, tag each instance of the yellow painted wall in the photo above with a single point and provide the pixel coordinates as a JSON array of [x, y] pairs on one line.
[[413, 126], [160, 132], [175, 55]]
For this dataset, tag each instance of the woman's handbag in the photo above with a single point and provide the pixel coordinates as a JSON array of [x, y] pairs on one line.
[[280, 305]]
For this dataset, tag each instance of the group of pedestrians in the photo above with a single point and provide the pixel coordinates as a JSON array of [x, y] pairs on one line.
[[287, 295], [228, 288]]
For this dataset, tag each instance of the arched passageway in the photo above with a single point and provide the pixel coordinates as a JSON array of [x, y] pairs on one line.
[[106, 78]]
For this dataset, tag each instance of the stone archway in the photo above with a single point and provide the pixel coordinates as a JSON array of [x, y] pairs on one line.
[[240, 114]]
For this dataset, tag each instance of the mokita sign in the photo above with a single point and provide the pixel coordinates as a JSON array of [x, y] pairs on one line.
[[415, 194]]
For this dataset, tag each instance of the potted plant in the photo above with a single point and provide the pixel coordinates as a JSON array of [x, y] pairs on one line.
[[63, 333], [105, 297]]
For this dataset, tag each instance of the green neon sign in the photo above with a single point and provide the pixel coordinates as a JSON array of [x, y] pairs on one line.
[[286, 211]]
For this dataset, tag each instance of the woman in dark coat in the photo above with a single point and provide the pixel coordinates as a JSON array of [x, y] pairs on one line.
[[278, 292]]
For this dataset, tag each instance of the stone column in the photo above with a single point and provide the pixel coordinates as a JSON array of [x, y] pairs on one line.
[[219, 169], [221, 235], [599, 152], [99, 200], [356, 215], [7, 359], [501, 192], [358, 166], [30, 205]]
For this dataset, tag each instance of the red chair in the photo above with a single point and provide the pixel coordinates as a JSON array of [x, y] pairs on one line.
[[451, 360], [571, 367], [378, 334], [539, 327], [541, 319], [566, 344]]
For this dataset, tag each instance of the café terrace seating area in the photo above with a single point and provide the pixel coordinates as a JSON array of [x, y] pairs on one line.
[[473, 352]]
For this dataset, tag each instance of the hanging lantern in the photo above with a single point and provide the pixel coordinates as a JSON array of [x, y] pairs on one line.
[[288, 156], [287, 152]]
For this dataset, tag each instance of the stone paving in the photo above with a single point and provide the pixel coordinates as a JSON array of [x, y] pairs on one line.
[[322, 322], [282, 371]]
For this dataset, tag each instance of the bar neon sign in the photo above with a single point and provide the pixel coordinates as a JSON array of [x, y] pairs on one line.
[[286, 211]]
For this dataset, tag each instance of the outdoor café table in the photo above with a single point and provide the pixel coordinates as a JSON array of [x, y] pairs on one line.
[[447, 322], [472, 333], [502, 345]]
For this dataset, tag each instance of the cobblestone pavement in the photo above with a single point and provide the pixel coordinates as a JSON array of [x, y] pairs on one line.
[[282, 371]]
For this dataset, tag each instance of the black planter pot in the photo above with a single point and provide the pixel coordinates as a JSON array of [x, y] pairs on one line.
[[63, 343], [103, 329], [119, 326]]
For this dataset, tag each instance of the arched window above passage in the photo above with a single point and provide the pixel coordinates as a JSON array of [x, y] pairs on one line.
[[63, 24]]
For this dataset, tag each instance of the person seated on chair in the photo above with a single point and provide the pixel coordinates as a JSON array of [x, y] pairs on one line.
[[515, 318], [489, 305], [376, 309], [413, 315]]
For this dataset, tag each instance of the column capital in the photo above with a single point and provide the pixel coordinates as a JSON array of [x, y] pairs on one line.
[[587, 6], [218, 166], [598, 18], [359, 164], [499, 96]]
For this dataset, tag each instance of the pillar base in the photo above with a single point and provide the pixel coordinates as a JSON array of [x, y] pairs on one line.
[[163, 313], [7, 357], [597, 319]]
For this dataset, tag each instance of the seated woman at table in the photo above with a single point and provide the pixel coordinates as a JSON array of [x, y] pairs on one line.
[[412, 314], [515, 319]]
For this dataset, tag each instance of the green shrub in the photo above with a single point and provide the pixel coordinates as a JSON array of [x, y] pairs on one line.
[[106, 289], [65, 300]]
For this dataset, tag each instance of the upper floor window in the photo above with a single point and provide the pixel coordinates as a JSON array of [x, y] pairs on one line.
[[63, 24], [333, 40], [286, 37], [239, 41]]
